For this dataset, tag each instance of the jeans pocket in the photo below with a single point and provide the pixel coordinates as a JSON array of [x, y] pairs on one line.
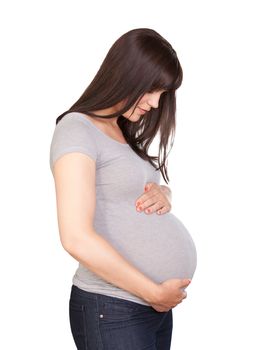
[[78, 324], [111, 312], [121, 311]]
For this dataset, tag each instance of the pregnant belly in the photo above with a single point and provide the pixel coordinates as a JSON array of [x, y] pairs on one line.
[[160, 246]]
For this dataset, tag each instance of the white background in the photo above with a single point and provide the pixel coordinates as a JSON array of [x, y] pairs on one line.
[[220, 167]]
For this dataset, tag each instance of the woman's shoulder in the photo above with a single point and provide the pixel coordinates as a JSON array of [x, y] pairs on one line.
[[73, 119], [73, 134]]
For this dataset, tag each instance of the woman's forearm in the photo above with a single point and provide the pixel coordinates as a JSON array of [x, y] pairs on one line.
[[95, 253]]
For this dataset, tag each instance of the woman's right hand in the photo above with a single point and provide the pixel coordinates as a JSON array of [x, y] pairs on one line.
[[170, 293]]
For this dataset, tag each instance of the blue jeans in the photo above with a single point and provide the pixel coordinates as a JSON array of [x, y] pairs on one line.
[[101, 322]]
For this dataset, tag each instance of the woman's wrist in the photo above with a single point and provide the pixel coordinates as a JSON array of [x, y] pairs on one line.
[[152, 294], [167, 191]]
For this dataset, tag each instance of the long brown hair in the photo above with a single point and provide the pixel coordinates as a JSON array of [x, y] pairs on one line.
[[140, 61]]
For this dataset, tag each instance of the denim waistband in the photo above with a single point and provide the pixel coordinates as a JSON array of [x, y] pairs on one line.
[[106, 298]]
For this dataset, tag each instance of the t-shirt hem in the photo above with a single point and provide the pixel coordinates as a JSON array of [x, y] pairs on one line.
[[119, 293]]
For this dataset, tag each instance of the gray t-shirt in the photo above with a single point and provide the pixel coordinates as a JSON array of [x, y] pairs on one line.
[[158, 245]]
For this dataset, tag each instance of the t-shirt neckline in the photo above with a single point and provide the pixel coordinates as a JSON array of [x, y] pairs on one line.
[[99, 130]]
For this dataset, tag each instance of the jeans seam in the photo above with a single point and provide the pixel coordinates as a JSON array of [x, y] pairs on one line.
[[85, 328], [99, 337]]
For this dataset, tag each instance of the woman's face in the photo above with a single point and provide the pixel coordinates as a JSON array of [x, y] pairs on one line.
[[148, 101]]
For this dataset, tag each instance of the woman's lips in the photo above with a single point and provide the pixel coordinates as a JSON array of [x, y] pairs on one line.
[[142, 110]]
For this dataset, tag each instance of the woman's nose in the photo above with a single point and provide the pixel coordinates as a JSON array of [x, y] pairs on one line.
[[154, 99]]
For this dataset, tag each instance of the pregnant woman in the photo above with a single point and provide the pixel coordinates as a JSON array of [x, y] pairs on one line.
[[135, 257]]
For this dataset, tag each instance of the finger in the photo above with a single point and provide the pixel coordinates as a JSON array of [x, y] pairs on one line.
[[151, 188], [150, 201], [154, 207], [185, 282], [147, 205], [165, 209], [148, 186], [146, 196]]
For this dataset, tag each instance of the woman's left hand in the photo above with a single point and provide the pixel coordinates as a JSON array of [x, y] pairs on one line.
[[156, 198]]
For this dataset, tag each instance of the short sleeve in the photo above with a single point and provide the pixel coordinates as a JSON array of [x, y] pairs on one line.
[[72, 135]]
